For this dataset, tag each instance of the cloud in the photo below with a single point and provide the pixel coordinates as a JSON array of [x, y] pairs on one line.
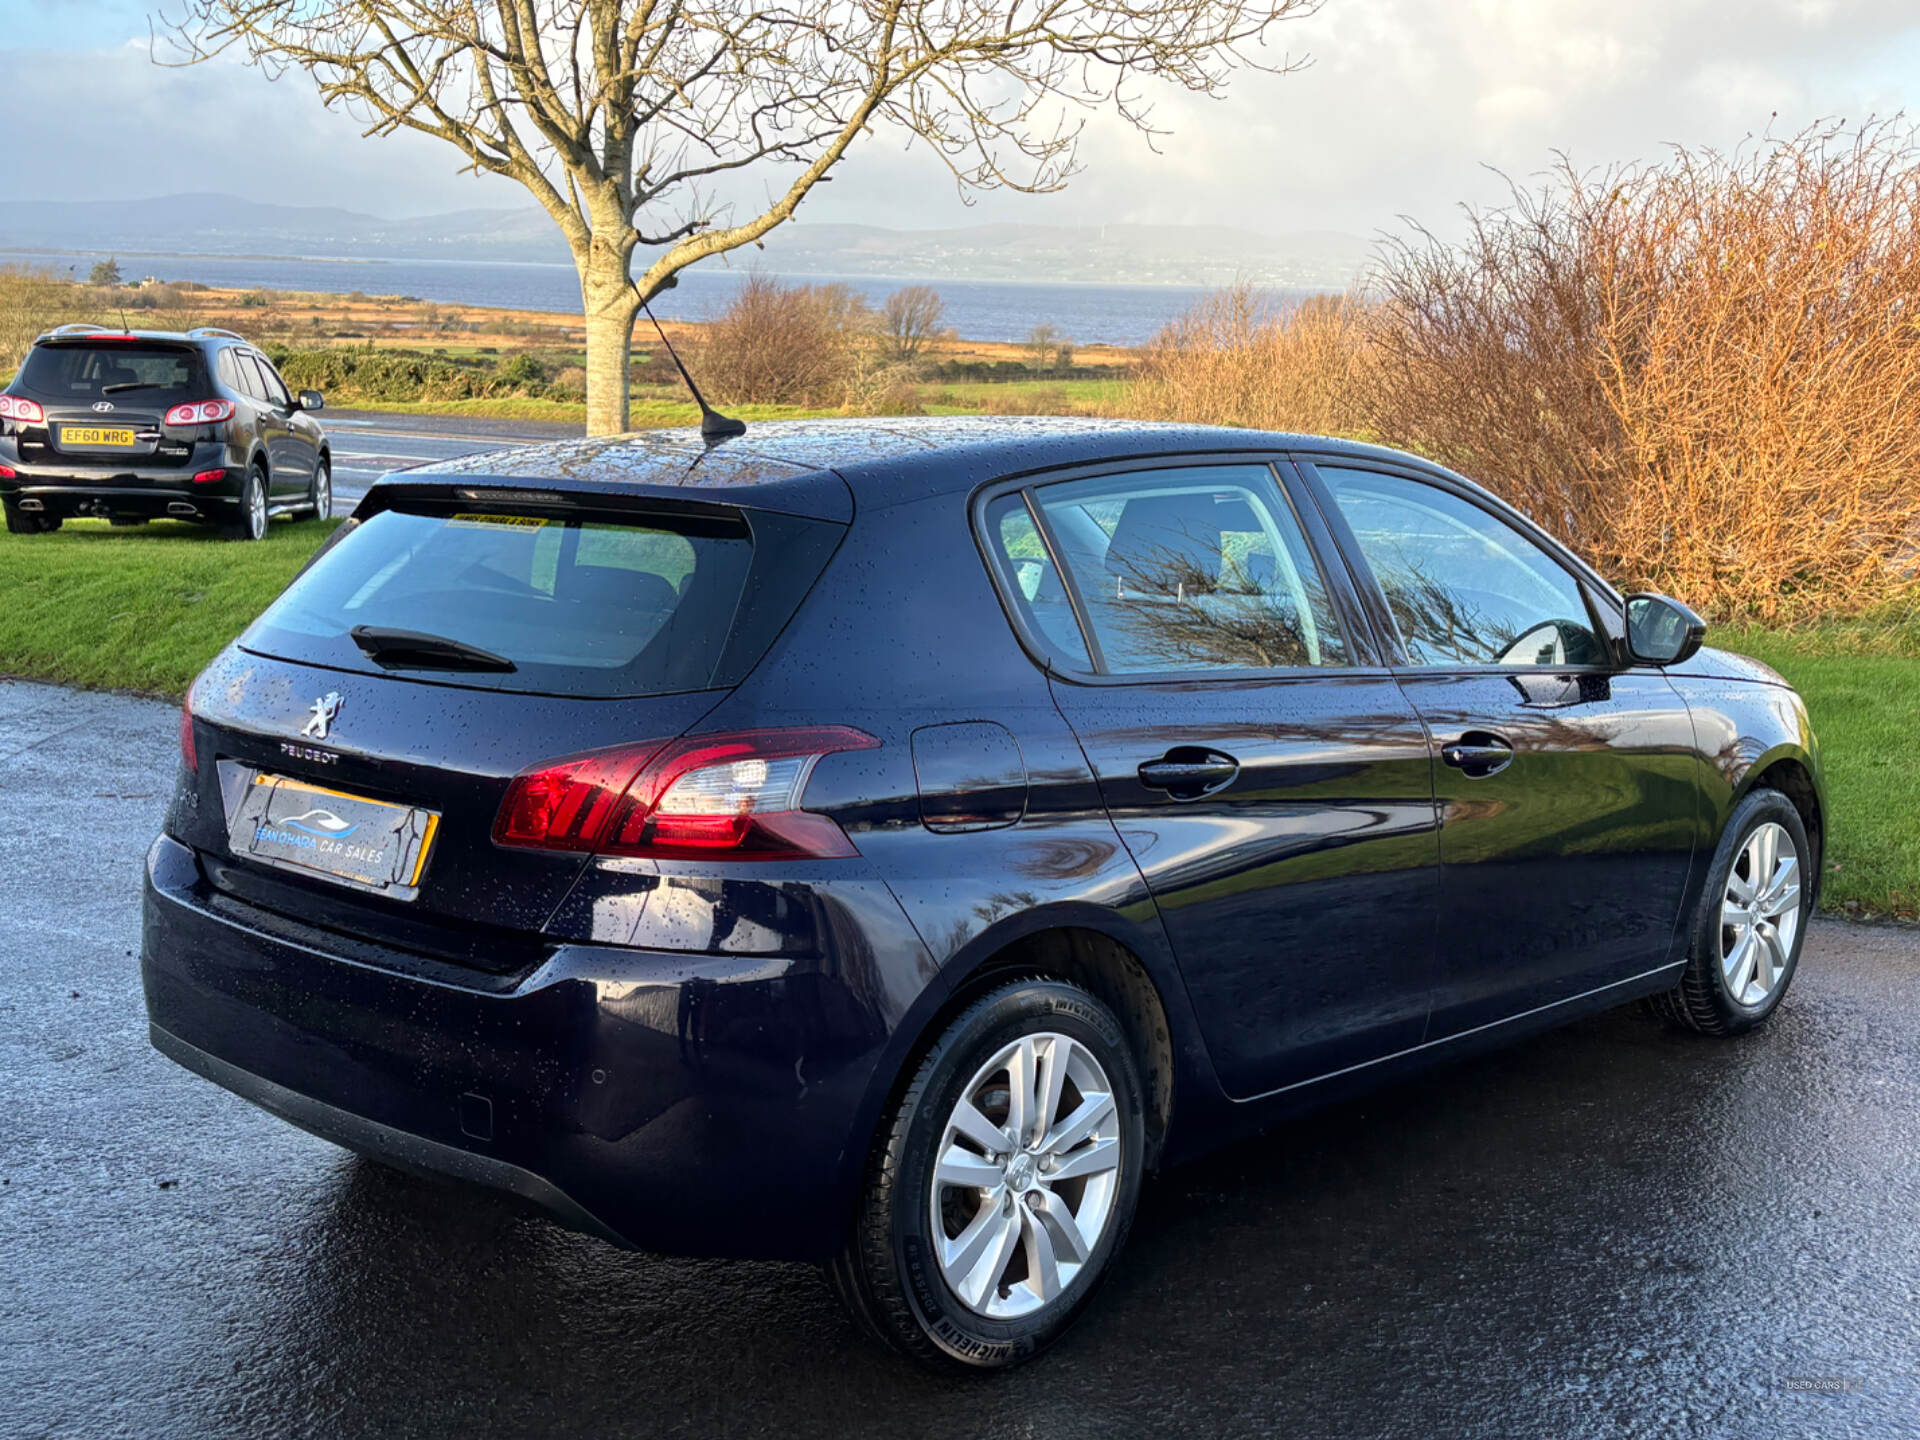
[[1407, 103], [112, 124], [1405, 106]]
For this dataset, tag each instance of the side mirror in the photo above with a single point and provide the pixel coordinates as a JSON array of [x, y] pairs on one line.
[[311, 400], [1662, 631]]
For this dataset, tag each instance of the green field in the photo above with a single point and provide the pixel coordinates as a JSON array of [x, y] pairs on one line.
[[1861, 681], [143, 610], [648, 411], [136, 609]]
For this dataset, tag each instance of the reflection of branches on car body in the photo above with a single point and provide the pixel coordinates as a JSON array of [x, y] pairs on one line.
[[1187, 616], [1431, 614]]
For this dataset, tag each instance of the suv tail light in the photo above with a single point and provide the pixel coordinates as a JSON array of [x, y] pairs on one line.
[[732, 796], [18, 407], [188, 756], [200, 412]]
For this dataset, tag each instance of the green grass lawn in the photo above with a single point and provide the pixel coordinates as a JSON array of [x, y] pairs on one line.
[[1861, 681], [136, 609], [146, 609]]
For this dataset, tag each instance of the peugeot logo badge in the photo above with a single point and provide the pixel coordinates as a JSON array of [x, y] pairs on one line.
[[324, 709], [103, 406]]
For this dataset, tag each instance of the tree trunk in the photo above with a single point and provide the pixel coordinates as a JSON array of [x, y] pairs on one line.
[[610, 303]]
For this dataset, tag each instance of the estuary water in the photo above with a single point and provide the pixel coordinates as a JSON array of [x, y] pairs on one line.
[[1089, 314]]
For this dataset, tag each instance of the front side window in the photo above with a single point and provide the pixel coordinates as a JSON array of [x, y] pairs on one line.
[[1197, 568], [1465, 588]]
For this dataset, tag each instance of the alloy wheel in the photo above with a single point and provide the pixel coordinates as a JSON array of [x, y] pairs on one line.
[[1760, 915], [323, 491], [256, 507], [1028, 1169]]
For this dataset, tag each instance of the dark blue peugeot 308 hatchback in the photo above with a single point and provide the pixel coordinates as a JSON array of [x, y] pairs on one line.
[[887, 843]]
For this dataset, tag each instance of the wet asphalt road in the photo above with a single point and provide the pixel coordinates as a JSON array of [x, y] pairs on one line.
[[366, 444], [1612, 1230]]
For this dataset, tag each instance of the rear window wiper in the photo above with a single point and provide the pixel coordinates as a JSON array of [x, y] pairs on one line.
[[136, 385], [417, 650]]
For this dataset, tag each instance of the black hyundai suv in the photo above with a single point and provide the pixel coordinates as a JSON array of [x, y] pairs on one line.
[[134, 425]]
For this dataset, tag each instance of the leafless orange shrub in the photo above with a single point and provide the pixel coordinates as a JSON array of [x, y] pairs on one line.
[[1242, 357], [1704, 374], [777, 344]]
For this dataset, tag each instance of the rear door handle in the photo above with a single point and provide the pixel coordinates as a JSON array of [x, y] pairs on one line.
[[1187, 772], [1478, 754]]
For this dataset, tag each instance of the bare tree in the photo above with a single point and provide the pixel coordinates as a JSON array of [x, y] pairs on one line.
[[1047, 348], [623, 116], [911, 318]]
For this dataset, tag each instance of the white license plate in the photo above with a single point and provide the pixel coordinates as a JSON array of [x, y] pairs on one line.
[[373, 844]]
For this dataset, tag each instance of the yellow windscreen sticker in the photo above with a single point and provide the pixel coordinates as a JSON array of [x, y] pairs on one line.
[[519, 522]]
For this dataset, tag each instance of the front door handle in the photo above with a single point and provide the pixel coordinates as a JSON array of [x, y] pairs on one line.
[[1478, 754], [1187, 772]]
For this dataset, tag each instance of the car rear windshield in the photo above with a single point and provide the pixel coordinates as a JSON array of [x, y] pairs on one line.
[[644, 603], [122, 372]]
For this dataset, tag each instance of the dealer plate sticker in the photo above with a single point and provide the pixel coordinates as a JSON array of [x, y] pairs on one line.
[[368, 843]]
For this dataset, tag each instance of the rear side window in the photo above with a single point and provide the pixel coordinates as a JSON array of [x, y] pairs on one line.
[[1039, 592], [1195, 568], [250, 380], [581, 605], [275, 390], [142, 374]]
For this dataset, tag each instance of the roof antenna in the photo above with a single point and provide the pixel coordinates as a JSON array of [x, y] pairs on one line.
[[714, 427]]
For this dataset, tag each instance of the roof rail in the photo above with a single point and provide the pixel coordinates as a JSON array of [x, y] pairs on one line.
[[84, 327], [215, 330]]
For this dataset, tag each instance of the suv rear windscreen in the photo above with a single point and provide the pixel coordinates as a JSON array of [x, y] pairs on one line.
[[135, 374], [599, 604]]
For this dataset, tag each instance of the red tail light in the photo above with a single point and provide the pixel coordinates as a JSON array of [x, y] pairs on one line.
[[733, 797], [200, 412], [567, 805], [209, 477], [27, 412], [188, 757], [7, 472]]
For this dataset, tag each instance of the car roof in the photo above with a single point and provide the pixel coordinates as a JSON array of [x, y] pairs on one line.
[[81, 335], [826, 468]]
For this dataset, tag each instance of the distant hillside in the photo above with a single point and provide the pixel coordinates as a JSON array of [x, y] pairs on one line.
[[228, 225], [1114, 254]]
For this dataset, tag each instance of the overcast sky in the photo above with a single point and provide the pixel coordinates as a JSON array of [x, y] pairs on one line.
[[1404, 105]]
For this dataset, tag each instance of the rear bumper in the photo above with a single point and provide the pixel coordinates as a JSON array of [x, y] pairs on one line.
[[685, 1103], [155, 491], [382, 1142], [155, 502]]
